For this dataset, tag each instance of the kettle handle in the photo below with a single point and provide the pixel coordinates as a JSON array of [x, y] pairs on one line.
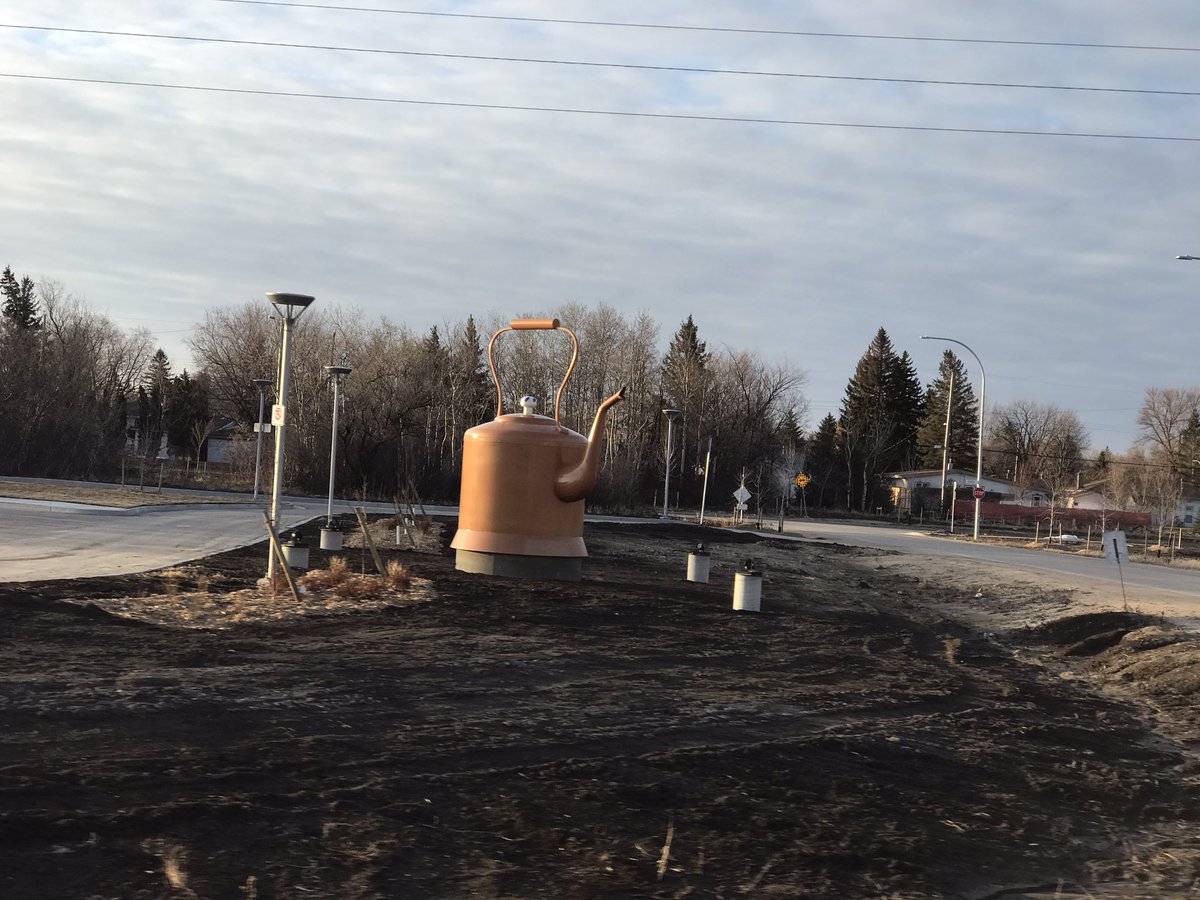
[[533, 325]]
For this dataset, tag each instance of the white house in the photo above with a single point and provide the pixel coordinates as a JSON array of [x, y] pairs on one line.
[[922, 488]]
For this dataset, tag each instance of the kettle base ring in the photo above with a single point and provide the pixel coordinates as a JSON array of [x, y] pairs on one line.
[[510, 565]]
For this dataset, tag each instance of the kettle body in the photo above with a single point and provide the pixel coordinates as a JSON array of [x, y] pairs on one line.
[[508, 503]]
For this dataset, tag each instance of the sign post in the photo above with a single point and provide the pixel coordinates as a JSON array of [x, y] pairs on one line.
[[741, 495], [1116, 548]]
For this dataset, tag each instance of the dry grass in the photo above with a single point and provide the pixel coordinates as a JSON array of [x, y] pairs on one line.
[[116, 497], [326, 579], [398, 576]]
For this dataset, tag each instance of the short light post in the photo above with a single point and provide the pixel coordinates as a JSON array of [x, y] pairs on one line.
[[263, 385], [328, 538], [672, 415], [979, 448], [290, 307]]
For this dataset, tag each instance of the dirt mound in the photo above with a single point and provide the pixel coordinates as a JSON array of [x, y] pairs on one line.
[[1087, 634]]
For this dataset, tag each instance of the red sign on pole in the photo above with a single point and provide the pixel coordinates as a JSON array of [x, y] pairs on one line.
[[977, 493]]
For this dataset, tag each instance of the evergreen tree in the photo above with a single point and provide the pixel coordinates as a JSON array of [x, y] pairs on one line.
[[1189, 447], [153, 401], [964, 412], [909, 404], [825, 467], [685, 385], [20, 303], [873, 431]]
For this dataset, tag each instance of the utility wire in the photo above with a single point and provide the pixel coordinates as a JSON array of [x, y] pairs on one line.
[[598, 65], [691, 117], [716, 29]]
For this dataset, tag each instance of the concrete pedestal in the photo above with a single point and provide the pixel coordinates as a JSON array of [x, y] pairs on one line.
[[698, 566], [535, 568]]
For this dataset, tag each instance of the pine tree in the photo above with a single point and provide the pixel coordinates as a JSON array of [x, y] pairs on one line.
[[153, 399], [685, 385], [874, 432], [964, 412], [20, 303], [909, 403], [824, 464]]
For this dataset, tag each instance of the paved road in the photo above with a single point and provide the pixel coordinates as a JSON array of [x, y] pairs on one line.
[[40, 541], [1084, 571]]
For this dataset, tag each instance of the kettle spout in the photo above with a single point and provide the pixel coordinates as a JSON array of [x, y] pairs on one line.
[[577, 482]]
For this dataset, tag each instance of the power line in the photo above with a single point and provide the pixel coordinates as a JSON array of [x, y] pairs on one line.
[[695, 70], [690, 117], [715, 29]]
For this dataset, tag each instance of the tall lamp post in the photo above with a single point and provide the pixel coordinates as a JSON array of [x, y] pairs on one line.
[[290, 307], [979, 447], [330, 538], [672, 415], [263, 385]]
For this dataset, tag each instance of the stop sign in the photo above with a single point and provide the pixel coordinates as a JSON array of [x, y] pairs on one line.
[[977, 493]]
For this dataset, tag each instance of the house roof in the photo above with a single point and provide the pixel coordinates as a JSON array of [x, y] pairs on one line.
[[950, 473]]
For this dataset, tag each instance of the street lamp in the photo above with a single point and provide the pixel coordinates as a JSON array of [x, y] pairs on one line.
[[982, 396], [290, 307], [331, 539], [672, 415], [263, 384]]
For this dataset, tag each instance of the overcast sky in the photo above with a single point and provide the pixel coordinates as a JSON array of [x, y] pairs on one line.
[[1051, 255]]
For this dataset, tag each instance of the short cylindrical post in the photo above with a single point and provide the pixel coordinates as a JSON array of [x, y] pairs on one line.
[[747, 590], [698, 565]]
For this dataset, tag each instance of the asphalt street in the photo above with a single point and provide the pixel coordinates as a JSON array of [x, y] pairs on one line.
[[1142, 580]]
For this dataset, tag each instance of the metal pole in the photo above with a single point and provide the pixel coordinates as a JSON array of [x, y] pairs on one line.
[[337, 382], [982, 401], [667, 479], [946, 443], [262, 400], [289, 307], [704, 491], [285, 359]]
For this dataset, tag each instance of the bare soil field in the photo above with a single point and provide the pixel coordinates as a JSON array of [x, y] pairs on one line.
[[872, 733]]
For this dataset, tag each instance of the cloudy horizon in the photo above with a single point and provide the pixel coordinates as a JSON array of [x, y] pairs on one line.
[[1049, 253]]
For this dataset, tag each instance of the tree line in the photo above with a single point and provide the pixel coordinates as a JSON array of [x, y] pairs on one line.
[[78, 396]]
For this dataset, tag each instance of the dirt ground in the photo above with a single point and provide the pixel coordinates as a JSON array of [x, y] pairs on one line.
[[874, 732]]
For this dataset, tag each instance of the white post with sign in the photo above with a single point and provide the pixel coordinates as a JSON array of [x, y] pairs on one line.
[[741, 495], [1116, 548]]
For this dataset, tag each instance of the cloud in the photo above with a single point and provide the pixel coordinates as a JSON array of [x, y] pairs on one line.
[[1051, 256]]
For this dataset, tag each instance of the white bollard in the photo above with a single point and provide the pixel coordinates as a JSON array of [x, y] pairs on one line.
[[331, 539], [747, 590], [295, 553], [698, 565]]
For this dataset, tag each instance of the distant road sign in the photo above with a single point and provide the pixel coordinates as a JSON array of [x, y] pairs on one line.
[[1116, 547], [977, 493], [278, 415], [802, 480], [741, 494]]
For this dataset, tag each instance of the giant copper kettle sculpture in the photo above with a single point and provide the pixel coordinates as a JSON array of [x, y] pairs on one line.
[[524, 480]]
